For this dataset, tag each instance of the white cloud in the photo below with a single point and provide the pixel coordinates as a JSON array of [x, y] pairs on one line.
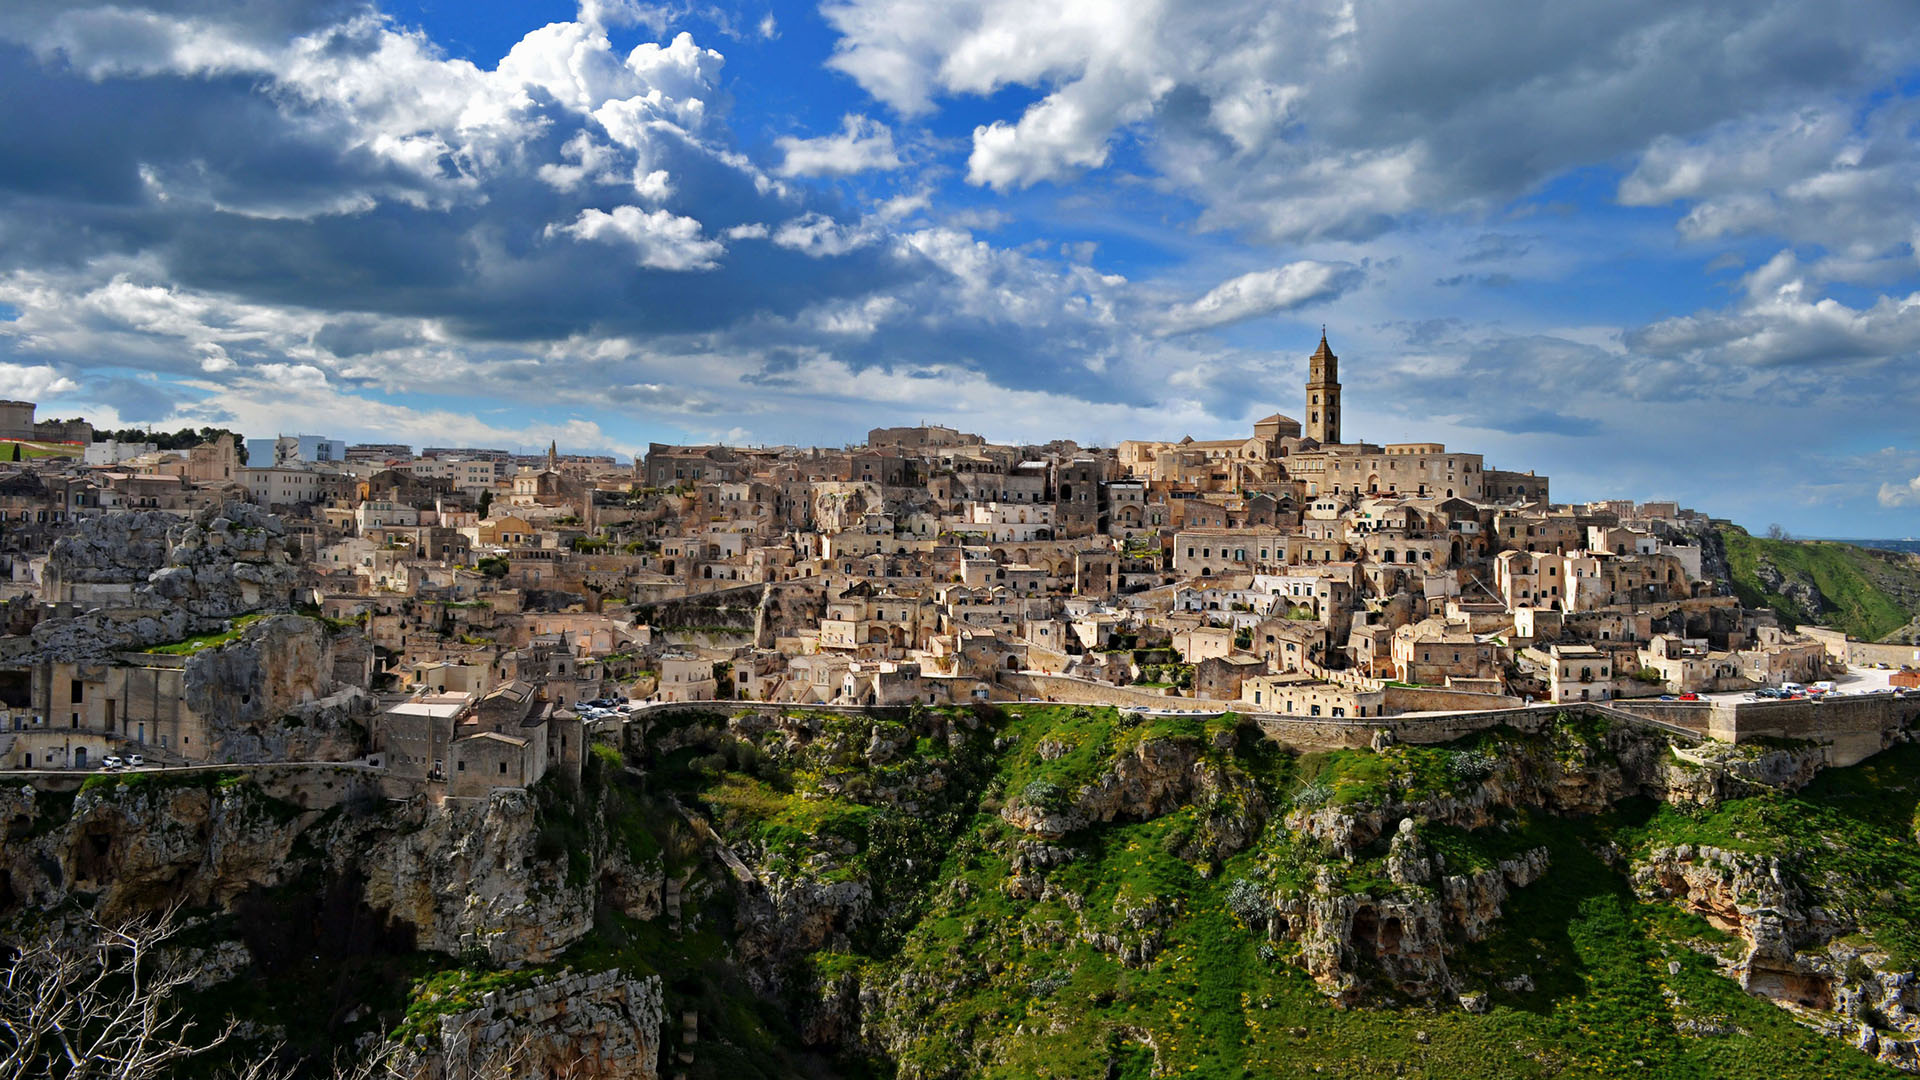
[[819, 235], [22, 382], [862, 145], [1783, 320], [1329, 118], [664, 241], [1907, 494], [1834, 177], [1263, 292]]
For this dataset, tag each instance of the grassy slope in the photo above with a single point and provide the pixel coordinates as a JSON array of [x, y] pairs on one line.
[[1215, 1002], [983, 983], [1853, 579]]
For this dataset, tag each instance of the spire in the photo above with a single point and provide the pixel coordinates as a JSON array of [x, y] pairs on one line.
[[553, 455], [1323, 351]]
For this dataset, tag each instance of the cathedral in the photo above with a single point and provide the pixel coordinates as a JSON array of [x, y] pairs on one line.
[[1286, 458]]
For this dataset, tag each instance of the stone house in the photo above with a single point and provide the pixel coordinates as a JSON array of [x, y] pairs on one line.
[[686, 676], [1304, 695]]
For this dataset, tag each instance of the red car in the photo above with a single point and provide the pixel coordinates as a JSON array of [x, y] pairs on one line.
[[1689, 697]]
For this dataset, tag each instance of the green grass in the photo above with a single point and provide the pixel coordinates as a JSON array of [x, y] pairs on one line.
[[1848, 838], [1117, 952], [1853, 579], [209, 641]]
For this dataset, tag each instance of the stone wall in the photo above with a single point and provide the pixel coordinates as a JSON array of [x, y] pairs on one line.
[[1088, 692], [1853, 727], [1693, 715], [1862, 653], [1404, 699]]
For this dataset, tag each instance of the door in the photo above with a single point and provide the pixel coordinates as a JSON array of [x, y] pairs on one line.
[[79, 757]]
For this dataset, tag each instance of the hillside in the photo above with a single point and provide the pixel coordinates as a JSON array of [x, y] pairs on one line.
[[1074, 892], [1866, 592]]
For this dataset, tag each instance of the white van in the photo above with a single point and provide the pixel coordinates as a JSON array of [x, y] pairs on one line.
[[1792, 688]]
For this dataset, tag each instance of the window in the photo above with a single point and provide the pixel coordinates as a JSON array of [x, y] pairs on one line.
[[78, 689], [503, 768]]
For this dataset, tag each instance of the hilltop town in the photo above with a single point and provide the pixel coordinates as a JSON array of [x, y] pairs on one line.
[[709, 763], [476, 607]]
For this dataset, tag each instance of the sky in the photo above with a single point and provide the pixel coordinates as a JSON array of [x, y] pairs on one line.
[[1651, 248]]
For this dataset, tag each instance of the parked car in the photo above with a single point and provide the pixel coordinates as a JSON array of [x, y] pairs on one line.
[[110, 763], [135, 761], [1668, 697], [1689, 697]]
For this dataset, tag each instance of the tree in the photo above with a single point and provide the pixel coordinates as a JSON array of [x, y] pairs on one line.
[[184, 439], [109, 1008], [1775, 532], [103, 1008]]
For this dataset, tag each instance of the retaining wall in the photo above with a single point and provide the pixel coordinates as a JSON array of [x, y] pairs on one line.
[[318, 785]]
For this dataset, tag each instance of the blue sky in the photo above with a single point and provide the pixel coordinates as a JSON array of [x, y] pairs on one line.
[[1653, 249]]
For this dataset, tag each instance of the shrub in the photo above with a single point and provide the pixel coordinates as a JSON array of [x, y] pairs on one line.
[[1248, 901], [1044, 794], [1312, 795], [1466, 766]]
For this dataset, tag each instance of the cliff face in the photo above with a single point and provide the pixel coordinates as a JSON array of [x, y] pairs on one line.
[[1397, 939], [270, 696], [1792, 948], [178, 576], [1069, 891], [460, 876], [601, 1024]]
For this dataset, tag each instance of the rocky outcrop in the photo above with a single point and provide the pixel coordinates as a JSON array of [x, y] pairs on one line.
[[1794, 952], [127, 850], [109, 549], [469, 878], [598, 1026], [270, 696], [1714, 771], [460, 876], [228, 561], [1151, 778], [1797, 588], [1360, 945], [167, 577]]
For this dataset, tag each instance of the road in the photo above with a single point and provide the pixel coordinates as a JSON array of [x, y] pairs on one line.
[[1857, 680]]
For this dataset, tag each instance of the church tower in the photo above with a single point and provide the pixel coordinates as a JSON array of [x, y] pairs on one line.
[[1323, 393]]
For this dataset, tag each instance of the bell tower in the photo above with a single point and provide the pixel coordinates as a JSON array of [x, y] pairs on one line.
[[1323, 393]]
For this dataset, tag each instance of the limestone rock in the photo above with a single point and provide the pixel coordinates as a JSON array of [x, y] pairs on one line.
[[594, 1026]]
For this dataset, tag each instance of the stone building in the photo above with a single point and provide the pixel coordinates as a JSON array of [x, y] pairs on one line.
[[1323, 395]]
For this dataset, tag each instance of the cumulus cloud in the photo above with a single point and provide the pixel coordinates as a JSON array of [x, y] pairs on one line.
[[862, 145], [819, 235], [1324, 118], [1783, 320], [1907, 494], [1826, 175], [19, 381], [1264, 292], [662, 240]]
